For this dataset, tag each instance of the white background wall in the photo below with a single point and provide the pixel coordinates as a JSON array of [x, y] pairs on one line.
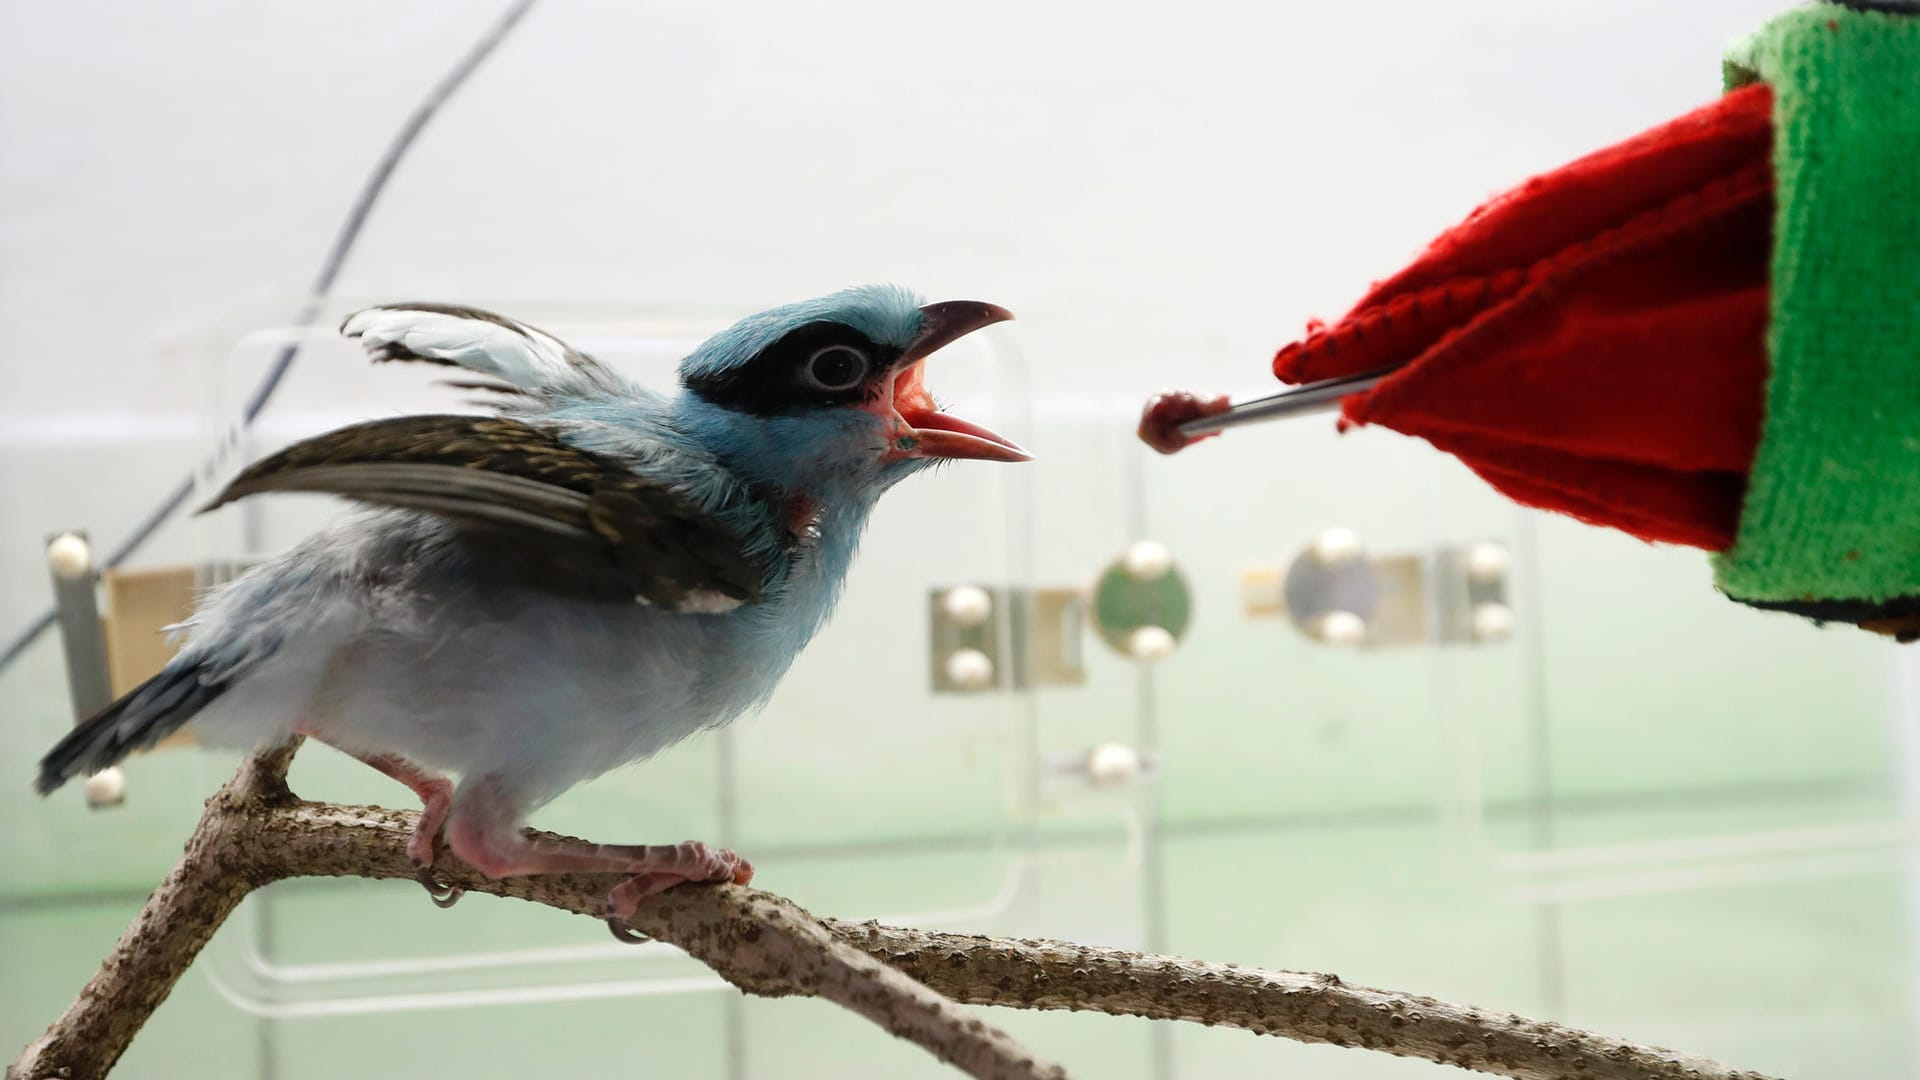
[[1164, 192]]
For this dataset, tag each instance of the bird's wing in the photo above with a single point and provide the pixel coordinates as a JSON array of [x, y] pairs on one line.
[[514, 481], [525, 359]]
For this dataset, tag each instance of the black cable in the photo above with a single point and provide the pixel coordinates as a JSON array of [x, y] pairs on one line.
[[322, 284]]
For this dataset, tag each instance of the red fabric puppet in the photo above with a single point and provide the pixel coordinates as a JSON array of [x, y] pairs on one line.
[[1591, 342]]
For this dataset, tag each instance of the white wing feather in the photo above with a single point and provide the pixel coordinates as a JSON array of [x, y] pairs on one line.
[[493, 345]]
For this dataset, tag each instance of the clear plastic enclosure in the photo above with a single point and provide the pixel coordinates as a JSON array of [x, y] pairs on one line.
[[1623, 771]]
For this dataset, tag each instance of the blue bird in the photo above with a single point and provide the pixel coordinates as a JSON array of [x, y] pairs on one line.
[[575, 582]]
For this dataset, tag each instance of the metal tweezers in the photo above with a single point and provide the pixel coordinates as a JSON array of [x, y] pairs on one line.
[[1302, 400]]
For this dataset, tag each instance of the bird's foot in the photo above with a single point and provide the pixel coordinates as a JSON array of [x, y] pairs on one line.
[[420, 850], [436, 800], [442, 894], [693, 861], [420, 845]]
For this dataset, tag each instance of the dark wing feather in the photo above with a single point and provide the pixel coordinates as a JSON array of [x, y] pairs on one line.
[[518, 482]]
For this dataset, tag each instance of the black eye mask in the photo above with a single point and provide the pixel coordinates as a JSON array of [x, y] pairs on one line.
[[819, 365]]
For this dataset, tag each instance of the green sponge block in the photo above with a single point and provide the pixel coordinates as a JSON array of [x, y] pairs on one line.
[[1831, 523]]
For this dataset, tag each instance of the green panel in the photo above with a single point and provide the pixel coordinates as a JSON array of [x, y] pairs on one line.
[[1650, 681], [1256, 720], [56, 845], [48, 953], [1792, 967], [1764, 818], [889, 882], [1656, 682], [855, 747], [1379, 905], [664, 1035], [348, 920]]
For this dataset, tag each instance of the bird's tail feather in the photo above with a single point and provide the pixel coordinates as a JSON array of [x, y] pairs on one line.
[[145, 715]]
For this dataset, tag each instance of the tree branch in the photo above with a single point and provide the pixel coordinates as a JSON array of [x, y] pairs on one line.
[[255, 832], [1043, 974], [216, 873]]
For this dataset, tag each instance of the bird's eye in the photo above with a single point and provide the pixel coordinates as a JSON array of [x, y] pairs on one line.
[[836, 367]]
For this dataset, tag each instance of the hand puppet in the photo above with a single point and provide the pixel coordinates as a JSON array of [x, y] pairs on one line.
[[1704, 335]]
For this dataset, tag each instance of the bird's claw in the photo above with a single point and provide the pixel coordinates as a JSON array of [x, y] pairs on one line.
[[442, 894], [694, 861], [624, 933]]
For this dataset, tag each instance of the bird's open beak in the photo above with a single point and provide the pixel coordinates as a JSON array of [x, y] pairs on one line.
[[916, 428]]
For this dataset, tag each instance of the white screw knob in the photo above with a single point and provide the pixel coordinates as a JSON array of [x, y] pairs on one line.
[[1336, 547], [970, 669], [1147, 561], [1112, 763], [1486, 562], [1492, 622], [1342, 628], [968, 605], [1150, 643], [107, 788], [69, 556]]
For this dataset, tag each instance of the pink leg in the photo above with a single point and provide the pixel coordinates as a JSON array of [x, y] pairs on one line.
[[436, 799], [485, 831]]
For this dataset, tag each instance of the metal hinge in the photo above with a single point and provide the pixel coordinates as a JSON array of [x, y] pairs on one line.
[[1338, 593]]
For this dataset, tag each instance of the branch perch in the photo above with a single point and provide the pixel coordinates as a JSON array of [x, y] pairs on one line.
[[908, 981]]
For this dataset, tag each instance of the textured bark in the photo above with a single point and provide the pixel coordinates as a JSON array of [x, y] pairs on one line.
[[219, 869], [907, 981], [1030, 974], [771, 946]]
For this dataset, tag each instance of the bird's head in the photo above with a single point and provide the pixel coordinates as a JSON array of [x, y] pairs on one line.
[[827, 395]]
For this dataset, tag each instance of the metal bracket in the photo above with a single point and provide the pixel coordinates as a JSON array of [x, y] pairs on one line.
[[109, 653], [986, 638], [1141, 604], [1106, 765], [83, 643], [1338, 594]]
